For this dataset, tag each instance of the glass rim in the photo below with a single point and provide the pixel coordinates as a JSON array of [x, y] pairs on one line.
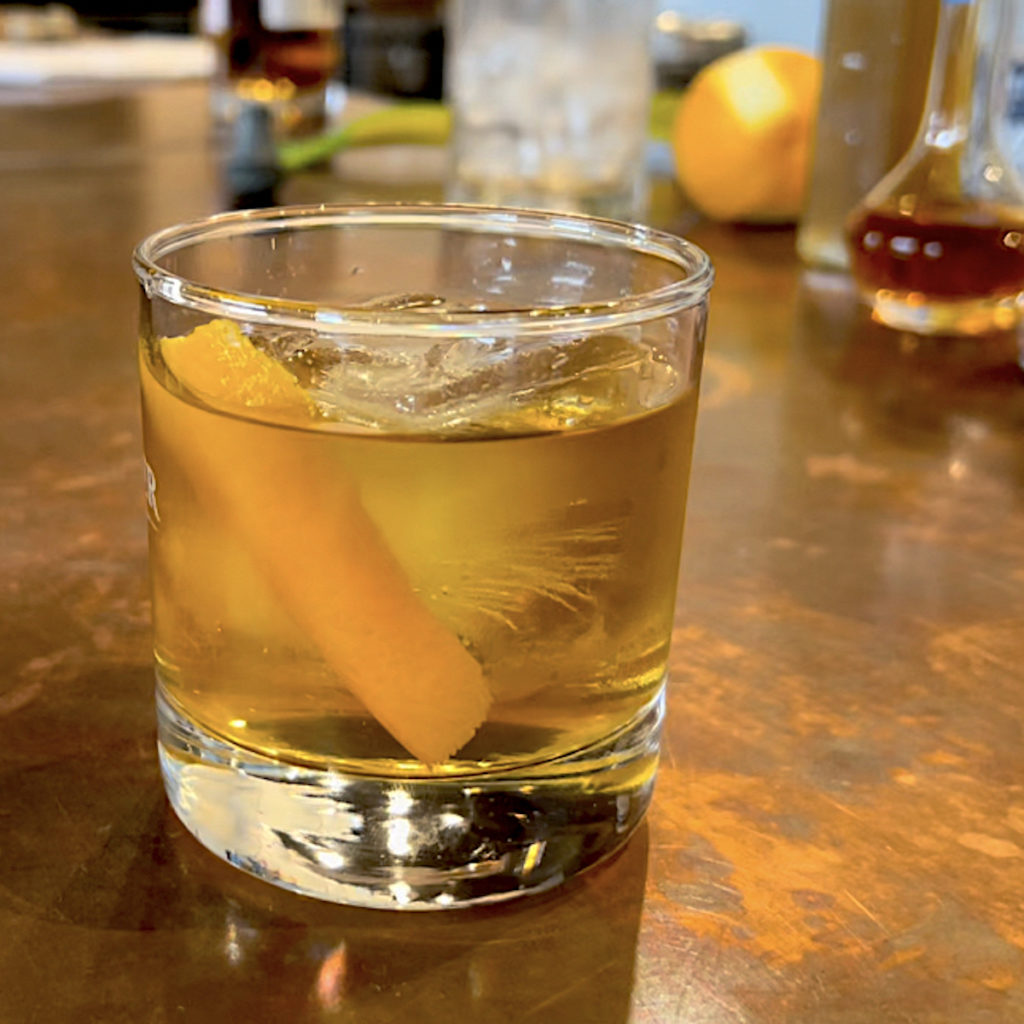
[[690, 290]]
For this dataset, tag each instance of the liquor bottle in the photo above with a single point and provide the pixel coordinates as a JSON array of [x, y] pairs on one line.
[[876, 60], [395, 47], [937, 246], [279, 53]]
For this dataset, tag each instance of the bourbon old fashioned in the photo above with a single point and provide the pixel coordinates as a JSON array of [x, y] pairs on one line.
[[416, 481]]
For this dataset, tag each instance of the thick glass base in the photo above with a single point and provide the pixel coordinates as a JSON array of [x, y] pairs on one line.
[[419, 843], [912, 311], [626, 201]]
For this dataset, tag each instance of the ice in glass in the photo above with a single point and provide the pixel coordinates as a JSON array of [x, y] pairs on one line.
[[550, 102], [414, 559]]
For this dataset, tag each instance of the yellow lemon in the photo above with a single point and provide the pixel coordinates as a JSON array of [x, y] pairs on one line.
[[742, 134]]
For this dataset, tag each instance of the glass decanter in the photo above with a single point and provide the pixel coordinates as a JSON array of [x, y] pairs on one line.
[[937, 246]]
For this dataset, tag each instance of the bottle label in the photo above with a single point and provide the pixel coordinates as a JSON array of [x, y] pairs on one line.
[[300, 15]]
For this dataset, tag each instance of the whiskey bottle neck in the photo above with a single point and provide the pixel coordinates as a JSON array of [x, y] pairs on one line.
[[949, 109]]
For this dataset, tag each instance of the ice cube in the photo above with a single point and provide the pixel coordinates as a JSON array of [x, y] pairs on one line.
[[305, 353], [410, 390], [471, 385], [487, 385]]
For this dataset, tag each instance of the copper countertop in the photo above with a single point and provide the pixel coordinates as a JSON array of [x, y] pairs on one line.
[[837, 835]]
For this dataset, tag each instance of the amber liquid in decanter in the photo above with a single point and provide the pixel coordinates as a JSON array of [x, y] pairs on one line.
[[940, 252]]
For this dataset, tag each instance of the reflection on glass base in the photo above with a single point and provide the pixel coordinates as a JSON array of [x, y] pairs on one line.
[[627, 202], [416, 844], [920, 314]]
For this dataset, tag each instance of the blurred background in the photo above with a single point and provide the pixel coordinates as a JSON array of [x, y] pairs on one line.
[[792, 21], [782, 114]]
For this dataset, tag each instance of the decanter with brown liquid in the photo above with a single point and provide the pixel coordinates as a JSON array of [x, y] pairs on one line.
[[937, 246]]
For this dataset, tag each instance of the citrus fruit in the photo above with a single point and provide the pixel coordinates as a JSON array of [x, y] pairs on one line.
[[218, 363], [303, 526], [742, 134]]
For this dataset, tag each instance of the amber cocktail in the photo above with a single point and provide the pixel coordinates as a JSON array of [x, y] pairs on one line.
[[416, 487]]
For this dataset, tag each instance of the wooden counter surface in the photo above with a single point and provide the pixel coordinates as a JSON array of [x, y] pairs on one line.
[[837, 835]]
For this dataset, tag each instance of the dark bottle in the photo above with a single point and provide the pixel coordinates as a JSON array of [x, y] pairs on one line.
[[395, 47], [280, 53]]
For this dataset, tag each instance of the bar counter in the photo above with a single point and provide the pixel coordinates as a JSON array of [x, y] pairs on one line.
[[837, 834]]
